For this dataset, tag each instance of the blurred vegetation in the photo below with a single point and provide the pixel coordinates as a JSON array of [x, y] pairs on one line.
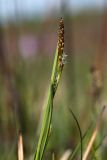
[[30, 77]]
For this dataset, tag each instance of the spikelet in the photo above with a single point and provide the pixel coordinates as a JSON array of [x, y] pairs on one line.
[[61, 42], [61, 58]]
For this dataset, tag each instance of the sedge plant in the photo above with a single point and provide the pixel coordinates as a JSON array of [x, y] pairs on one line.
[[58, 65]]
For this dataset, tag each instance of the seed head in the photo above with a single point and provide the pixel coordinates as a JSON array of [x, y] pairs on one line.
[[60, 42]]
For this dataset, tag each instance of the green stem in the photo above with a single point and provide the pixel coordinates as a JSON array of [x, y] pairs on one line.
[[47, 115]]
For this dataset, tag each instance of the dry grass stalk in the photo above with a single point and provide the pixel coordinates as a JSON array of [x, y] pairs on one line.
[[88, 149], [93, 137], [20, 147], [66, 155]]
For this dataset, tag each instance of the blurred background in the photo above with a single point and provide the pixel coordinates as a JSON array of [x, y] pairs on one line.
[[28, 38]]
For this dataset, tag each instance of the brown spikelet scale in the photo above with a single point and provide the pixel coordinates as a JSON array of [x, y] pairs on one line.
[[60, 41]]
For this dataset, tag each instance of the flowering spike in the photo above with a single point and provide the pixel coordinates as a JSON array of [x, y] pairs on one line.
[[61, 42]]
